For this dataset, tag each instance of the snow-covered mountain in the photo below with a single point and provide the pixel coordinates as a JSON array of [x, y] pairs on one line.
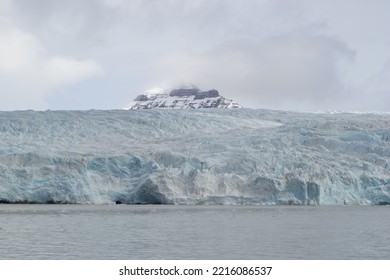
[[238, 156], [188, 97]]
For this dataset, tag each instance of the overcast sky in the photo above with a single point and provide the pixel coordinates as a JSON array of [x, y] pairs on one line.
[[278, 54]]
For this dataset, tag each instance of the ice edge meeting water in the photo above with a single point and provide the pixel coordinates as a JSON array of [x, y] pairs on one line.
[[240, 156]]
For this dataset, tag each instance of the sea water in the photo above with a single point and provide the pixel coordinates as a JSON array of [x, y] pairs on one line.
[[193, 232]]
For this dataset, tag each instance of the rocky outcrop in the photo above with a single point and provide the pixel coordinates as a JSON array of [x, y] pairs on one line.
[[182, 98]]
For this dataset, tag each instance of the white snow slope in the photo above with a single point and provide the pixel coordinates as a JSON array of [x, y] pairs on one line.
[[237, 156]]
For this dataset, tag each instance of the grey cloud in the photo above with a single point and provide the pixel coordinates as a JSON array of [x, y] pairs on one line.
[[284, 71], [265, 53], [72, 27], [165, 25], [28, 71], [374, 95]]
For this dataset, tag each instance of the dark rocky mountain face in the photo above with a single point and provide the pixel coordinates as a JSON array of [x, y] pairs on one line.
[[184, 92]]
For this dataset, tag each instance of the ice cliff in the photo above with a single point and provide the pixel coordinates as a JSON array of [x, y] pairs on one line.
[[215, 156]]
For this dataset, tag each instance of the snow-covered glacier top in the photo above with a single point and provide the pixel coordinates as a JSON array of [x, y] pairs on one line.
[[207, 156], [185, 97]]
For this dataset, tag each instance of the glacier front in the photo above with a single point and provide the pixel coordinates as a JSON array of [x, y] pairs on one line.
[[210, 156]]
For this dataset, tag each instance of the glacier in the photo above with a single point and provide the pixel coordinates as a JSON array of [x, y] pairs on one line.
[[208, 156]]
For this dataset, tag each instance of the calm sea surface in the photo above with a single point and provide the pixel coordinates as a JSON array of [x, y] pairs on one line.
[[193, 232]]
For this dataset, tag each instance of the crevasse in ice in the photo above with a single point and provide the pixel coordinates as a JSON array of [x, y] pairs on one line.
[[209, 156]]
